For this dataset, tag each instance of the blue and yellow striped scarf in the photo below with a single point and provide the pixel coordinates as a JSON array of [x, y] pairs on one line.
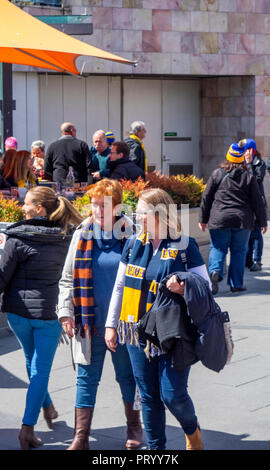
[[133, 303]]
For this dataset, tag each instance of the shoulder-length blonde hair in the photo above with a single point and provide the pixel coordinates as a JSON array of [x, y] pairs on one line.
[[165, 209], [58, 208]]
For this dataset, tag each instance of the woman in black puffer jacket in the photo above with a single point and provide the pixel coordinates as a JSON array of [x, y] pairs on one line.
[[30, 269]]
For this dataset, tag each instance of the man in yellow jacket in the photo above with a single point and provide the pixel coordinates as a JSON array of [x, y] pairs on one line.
[[137, 151]]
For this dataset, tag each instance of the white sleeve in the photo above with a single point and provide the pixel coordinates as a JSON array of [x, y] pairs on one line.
[[202, 271], [117, 296]]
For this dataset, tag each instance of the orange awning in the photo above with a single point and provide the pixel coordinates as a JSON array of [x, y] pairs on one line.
[[26, 40]]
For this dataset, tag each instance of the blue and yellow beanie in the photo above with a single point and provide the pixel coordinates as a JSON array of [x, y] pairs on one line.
[[247, 144], [235, 154], [110, 137]]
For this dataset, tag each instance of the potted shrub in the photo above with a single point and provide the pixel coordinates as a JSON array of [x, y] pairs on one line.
[[10, 211], [182, 189]]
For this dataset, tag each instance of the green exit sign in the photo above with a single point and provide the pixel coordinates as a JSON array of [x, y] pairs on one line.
[[170, 134]]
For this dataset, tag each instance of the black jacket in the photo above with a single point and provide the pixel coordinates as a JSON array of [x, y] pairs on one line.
[[123, 168], [136, 152], [258, 168], [30, 268], [63, 153], [4, 184], [189, 327], [232, 201]]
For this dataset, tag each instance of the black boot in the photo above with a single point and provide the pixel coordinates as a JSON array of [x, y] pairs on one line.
[[215, 278]]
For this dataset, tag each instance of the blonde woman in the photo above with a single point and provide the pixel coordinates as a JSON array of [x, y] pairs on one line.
[[155, 255], [85, 291], [30, 269]]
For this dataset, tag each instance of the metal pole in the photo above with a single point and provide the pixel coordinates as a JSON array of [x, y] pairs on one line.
[[6, 102]]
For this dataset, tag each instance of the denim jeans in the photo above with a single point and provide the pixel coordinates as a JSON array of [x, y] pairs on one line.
[[39, 340], [255, 245], [89, 375], [161, 385], [235, 240]]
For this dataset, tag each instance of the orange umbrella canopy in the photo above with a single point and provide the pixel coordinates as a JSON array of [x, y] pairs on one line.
[[28, 41]]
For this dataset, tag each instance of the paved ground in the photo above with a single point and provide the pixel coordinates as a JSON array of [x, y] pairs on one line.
[[233, 406]]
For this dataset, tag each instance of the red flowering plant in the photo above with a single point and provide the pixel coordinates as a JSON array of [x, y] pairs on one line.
[[182, 189]]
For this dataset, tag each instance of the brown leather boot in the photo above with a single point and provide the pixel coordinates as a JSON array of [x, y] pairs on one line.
[[49, 414], [27, 438], [194, 441], [83, 419], [134, 428]]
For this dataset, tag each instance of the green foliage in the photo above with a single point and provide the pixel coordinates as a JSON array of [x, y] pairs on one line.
[[82, 204], [10, 211]]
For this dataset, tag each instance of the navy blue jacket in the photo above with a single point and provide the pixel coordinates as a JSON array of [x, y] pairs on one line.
[[123, 168], [189, 327]]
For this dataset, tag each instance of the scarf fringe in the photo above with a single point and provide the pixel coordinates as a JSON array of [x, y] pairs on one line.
[[85, 330], [127, 334]]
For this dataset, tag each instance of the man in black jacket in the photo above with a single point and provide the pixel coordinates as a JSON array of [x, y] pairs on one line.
[[137, 152], [120, 165], [65, 152]]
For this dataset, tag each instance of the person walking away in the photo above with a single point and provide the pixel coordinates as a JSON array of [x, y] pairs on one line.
[[256, 167], [67, 151], [230, 201], [30, 269]]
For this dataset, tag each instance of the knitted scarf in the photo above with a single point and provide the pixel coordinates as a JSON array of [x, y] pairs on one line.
[[83, 298], [139, 140], [133, 303]]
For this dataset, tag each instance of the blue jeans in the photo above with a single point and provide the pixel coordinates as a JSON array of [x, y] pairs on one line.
[[161, 385], [237, 241], [89, 376], [255, 245], [39, 340]]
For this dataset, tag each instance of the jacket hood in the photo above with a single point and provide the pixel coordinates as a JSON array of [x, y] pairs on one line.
[[42, 230]]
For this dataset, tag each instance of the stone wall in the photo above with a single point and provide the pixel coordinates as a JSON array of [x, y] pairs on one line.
[[227, 111], [198, 37]]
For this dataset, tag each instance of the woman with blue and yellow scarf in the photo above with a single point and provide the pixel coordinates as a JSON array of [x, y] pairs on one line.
[[155, 254]]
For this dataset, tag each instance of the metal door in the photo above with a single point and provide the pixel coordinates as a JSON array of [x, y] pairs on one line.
[[181, 127]]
